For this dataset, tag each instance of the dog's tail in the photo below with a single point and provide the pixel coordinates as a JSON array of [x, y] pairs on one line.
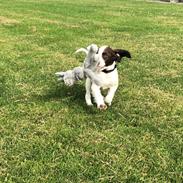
[[82, 50], [89, 73]]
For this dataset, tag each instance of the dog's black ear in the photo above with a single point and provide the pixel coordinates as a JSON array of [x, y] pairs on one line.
[[122, 53]]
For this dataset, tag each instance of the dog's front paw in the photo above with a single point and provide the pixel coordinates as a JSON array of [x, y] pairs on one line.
[[108, 101], [89, 104], [102, 107], [88, 101]]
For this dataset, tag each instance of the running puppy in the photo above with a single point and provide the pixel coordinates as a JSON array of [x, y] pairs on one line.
[[104, 75]]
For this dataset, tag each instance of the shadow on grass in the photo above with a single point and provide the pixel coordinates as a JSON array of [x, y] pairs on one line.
[[72, 97]]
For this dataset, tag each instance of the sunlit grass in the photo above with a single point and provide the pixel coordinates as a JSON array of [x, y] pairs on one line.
[[48, 134]]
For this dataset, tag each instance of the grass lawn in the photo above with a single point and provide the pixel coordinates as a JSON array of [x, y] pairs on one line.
[[48, 134]]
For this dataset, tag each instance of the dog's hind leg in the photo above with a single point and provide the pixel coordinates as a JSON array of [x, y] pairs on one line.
[[88, 92]]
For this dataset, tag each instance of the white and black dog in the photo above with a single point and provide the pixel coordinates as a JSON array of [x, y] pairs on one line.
[[100, 70], [104, 75]]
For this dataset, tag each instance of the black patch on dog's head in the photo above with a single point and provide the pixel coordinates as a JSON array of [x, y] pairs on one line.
[[109, 56]]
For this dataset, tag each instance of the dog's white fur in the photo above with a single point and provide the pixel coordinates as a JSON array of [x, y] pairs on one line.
[[106, 81]]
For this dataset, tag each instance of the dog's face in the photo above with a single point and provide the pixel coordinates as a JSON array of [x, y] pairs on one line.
[[106, 56]]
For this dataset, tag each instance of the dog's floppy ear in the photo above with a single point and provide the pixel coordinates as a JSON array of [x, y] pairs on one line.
[[122, 53]]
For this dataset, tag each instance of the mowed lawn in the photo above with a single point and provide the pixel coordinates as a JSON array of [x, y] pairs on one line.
[[48, 134]]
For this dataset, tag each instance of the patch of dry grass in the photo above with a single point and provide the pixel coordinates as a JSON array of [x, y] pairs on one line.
[[8, 21]]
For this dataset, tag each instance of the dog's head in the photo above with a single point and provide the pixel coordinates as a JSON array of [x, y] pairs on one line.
[[106, 56]]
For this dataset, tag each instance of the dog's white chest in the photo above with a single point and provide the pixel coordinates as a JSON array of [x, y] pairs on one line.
[[108, 79]]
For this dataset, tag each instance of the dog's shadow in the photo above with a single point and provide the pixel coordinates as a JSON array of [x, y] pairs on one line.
[[73, 96]]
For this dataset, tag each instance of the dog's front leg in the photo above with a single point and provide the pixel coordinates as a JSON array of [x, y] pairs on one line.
[[110, 95], [88, 92], [99, 99]]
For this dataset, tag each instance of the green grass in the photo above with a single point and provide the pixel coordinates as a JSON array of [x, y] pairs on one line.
[[48, 134]]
